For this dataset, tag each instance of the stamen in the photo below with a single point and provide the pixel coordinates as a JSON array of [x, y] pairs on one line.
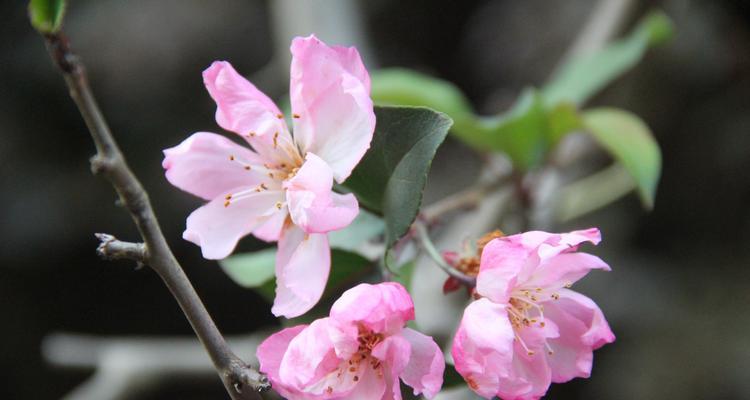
[[279, 116], [568, 285], [555, 296], [295, 115], [523, 344], [278, 205], [275, 140], [549, 349]]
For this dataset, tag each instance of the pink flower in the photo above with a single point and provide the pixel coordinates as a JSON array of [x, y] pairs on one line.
[[528, 329], [280, 189], [359, 352]]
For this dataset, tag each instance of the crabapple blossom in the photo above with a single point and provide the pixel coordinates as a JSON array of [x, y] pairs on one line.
[[280, 188], [360, 351], [527, 328]]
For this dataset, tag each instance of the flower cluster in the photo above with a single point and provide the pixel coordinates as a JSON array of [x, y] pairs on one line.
[[524, 329]]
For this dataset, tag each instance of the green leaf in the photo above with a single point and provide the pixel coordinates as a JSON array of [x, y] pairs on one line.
[[365, 227], [46, 15], [562, 119], [593, 192], [631, 143], [404, 87], [582, 77], [521, 132], [392, 174], [250, 269]]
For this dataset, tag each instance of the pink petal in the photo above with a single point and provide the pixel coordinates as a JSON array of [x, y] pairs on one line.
[[394, 353], [424, 372], [201, 165], [384, 308], [501, 262], [330, 94], [529, 377], [564, 269], [312, 204], [270, 230], [309, 357], [217, 227], [245, 110], [369, 386], [483, 346], [583, 329], [302, 266], [270, 353]]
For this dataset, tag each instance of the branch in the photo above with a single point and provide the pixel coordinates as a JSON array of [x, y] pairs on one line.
[[110, 163], [112, 249], [125, 366]]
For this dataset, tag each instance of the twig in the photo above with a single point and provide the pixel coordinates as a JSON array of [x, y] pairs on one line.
[[126, 366], [434, 254], [110, 163], [465, 199], [112, 249]]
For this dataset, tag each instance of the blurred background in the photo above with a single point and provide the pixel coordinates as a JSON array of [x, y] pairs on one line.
[[677, 297]]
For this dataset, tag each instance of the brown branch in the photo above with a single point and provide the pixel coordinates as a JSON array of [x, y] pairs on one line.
[[110, 163]]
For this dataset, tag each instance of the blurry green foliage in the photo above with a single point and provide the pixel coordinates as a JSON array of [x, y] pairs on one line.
[[631, 143], [46, 15], [582, 77], [539, 119]]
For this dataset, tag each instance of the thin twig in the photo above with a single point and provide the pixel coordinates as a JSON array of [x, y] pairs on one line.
[[465, 199], [110, 163], [434, 254]]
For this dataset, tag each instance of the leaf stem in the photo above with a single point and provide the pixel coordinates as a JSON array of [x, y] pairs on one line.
[[434, 254], [110, 163]]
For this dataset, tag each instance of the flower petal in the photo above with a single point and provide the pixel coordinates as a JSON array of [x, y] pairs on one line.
[[217, 227], [528, 379], [330, 95], [424, 372], [201, 165], [245, 110], [394, 353], [312, 204], [483, 346], [383, 308], [270, 230], [565, 269], [501, 261], [270, 353], [309, 357], [302, 266], [583, 329]]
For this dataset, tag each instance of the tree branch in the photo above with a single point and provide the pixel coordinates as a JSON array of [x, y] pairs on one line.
[[110, 163]]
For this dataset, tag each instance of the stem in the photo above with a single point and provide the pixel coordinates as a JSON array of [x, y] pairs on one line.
[[467, 198], [110, 163], [434, 254]]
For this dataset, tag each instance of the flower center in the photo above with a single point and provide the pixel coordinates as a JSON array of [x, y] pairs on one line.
[[526, 311], [367, 341]]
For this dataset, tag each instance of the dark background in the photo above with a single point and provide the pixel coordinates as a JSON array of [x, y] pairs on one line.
[[677, 298]]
